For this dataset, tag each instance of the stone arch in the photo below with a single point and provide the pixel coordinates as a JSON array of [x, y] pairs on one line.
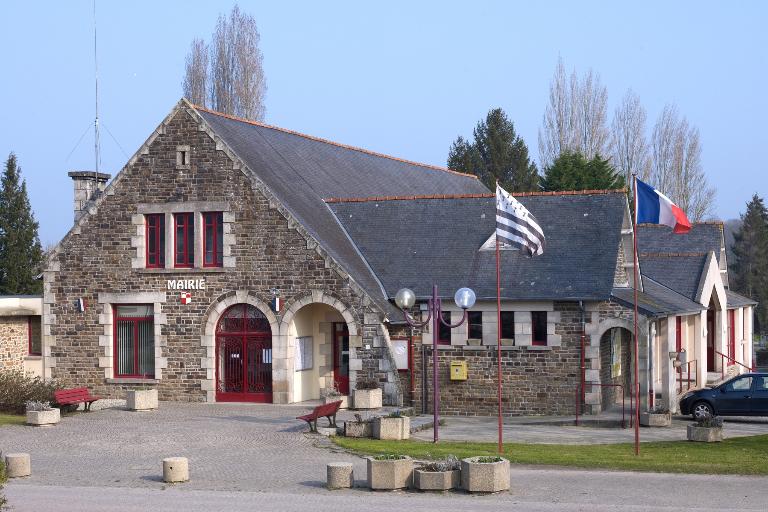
[[609, 323], [208, 336], [319, 297]]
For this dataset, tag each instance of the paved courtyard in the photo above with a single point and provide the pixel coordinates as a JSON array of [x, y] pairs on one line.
[[259, 457]]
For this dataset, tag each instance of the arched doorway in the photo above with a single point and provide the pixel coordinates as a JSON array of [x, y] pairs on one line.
[[244, 355]]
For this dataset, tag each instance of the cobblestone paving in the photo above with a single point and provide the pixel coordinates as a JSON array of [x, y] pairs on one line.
[[229, 447]]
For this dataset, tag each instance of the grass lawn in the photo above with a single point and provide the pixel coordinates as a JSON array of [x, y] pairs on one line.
[[740, 455], [11, 419]]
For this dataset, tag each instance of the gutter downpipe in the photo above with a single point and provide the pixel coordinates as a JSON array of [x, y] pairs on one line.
[[582, 367]]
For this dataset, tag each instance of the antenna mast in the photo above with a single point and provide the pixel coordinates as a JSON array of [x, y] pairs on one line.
[[96, 144]]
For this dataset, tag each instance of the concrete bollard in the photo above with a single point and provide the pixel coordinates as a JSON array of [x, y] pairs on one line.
[[175, 469], [340, 475], [18, 465]]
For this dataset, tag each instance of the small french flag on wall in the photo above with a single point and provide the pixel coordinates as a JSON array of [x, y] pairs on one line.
[[276, 303], [186, 298], [653, 207]]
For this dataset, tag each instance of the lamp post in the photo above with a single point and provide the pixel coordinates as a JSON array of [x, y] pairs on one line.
[[405, 299]]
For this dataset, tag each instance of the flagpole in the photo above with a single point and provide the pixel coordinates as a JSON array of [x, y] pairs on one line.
[[498, 330], [637, 344]]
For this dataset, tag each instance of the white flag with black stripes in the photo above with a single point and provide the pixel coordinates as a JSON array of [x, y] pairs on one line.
[[515, 226]]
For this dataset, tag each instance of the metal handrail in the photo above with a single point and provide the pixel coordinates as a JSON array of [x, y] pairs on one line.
[[733, 362], [623, 405], [687, 380]]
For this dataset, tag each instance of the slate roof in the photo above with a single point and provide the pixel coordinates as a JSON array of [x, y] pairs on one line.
[[415, 242], [703, 237], [735, 300], [301, 171], [657, 300], [678, 271]]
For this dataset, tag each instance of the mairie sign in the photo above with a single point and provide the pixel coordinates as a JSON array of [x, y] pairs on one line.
[[186, 284]]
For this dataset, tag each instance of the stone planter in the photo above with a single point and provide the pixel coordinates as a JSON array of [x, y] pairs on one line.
[[484, 476], [390, 474], [43, 418], [368, 398], [507, 342], [652, 419], [394, 429], [358, 429], [330, 399], [705, 434], [142, 399], [436, 480], [474, 342]]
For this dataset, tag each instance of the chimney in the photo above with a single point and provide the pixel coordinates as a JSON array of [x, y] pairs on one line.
[[88, 185]]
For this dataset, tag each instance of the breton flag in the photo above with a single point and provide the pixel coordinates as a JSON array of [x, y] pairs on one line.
[[515, 226], [653, 207]]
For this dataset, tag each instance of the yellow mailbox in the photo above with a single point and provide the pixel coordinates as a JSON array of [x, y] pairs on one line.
[[458, 370]]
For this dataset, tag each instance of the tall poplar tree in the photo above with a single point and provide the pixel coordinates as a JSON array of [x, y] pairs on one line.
[[497, 153], [20, 252], [749, 269]]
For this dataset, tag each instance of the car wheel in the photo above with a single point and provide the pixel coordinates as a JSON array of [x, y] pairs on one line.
[[702, 410]]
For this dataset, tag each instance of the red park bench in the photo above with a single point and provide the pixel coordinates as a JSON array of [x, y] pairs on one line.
[[322, 411], [75, 396]]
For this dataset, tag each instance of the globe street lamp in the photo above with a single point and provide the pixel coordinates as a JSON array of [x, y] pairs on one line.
[[405, 299]]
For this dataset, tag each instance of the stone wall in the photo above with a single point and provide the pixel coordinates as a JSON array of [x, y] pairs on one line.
[[14, 342], [95, 261]]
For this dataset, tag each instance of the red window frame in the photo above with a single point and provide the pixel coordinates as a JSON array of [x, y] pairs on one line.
[[184, 223], [213, 222], [135, 320], [155, 230], [30, 351], [732, 334], [538, 338], [678, 334]]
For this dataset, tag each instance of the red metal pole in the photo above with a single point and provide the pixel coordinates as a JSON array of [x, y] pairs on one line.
[[498, 340], [637, 344], [435, 383]]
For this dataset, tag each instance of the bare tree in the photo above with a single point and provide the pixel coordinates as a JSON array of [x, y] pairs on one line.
[[677, 169], [228, 72], [195, 83], [575, 118], [629, 146]]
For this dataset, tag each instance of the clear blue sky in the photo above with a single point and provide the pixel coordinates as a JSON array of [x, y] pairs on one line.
[[403, 78]]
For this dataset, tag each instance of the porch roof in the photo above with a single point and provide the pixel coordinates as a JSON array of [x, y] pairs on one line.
[[657, 300], [734, 300]]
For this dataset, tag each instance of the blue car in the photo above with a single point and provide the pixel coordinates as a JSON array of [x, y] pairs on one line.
[[744, 395]]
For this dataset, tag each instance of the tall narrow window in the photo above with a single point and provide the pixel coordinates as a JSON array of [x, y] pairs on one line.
[[539, 327], [213, 242], [35, 338], [444, 332], [134, 337], [155, 240], [508, 325], [678, 333], [475, 319], [184, 250]]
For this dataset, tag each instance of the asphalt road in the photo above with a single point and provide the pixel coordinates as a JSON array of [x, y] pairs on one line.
[[532, 489]]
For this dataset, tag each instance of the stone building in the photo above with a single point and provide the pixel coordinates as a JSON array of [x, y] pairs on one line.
[[21, 333], [235, 261]]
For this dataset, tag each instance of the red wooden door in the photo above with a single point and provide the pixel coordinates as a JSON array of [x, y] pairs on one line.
[[341, 357], [244, 356], [710, 341], [732, 334]]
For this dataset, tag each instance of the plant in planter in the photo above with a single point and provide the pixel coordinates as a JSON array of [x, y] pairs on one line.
[[41, 413], [707, 429], [394, 426], [485, 474], [361, 427], [143, 398], [332, 394], [440, 475], [368, 394], [656, 417], [389, 472]]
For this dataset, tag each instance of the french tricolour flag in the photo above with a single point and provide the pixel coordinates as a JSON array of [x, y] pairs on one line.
[[653, 207]]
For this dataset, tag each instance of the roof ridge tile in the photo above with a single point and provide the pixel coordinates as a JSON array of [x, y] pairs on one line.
[[470, 196]]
